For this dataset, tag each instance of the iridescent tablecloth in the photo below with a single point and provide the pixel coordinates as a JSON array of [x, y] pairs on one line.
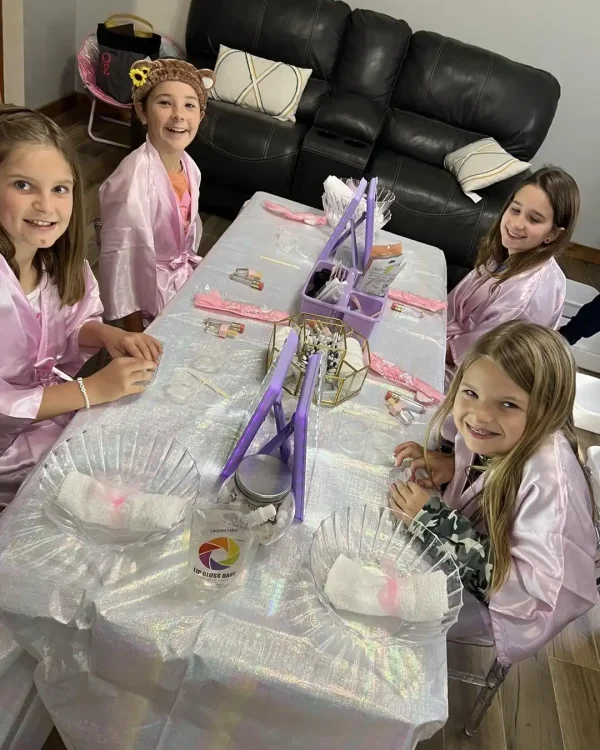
[[129, 658]]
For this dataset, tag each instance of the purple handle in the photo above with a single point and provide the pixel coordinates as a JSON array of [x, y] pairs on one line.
[[369, 229], [271, 394], [333, 241], [354, 244], [301, 433]]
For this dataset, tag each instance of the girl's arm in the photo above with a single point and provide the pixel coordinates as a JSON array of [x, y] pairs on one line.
[[119, 343], [122, 377], [469, 548]]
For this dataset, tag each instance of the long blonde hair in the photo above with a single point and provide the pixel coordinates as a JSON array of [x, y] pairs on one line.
[[539, 361], [563, 194], [64, 261]]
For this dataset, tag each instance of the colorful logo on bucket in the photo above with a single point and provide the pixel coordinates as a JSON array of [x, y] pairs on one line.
[[211, 553]]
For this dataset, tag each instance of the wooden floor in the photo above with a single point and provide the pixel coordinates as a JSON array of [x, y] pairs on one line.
[[550, 702]]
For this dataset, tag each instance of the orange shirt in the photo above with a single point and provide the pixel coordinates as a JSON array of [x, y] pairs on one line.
[[181, 187]]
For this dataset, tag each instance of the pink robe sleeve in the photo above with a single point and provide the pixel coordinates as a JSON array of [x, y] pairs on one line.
[[20, 405], [537, 298], [127, 256], [552, 578], [87, 311]]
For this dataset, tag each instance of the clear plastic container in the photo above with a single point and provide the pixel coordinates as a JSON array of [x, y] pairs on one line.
[[381, 539]]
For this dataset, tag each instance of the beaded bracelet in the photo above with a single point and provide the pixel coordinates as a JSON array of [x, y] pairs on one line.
[[83, 392]]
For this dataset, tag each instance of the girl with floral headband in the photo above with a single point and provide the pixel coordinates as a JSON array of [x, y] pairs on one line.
[[149, 206]]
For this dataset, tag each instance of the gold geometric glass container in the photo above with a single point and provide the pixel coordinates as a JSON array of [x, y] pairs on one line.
[[342, 380]]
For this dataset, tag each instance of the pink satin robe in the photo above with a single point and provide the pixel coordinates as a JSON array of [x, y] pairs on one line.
[[146, 253], [474, 307], [31, 349], [553, 544]]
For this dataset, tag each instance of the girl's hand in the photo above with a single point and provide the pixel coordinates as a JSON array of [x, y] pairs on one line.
[[123, 344], [122, 377], [409, 498], [408, 450], [441, 466]]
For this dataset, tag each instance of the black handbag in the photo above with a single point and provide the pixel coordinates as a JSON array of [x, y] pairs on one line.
[[119, 46]]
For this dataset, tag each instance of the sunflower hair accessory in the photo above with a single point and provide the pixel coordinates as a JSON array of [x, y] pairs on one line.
[[139, 75]]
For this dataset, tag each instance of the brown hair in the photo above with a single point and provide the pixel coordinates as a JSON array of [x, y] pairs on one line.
[[540, 362], [563, 194], [64, 261]]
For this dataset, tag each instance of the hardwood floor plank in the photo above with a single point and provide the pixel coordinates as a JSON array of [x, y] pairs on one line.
[[577, 691], [529, 707], [462, 697], [435, 743], [575, 270], [578, 643]]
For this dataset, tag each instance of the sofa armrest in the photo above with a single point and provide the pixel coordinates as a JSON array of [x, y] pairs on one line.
[[352, 115]]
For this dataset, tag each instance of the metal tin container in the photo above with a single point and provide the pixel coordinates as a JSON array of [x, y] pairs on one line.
[[263, 480]]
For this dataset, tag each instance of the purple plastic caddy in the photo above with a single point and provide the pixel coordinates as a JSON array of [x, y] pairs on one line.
[[358, 310], [297, 425]]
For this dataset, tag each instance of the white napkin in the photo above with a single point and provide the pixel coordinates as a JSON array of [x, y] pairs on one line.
[[118, 508], [422, 597], [339, 187]]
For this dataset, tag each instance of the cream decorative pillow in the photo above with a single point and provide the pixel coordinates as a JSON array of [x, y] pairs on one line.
[[481, 164], [273, 88]]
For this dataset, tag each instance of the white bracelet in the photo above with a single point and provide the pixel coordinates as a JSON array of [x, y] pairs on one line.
[[83, 392]]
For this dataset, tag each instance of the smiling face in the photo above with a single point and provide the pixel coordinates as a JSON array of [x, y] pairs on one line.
[[36, 196], [490, 409], [528, 222], [172, 115]]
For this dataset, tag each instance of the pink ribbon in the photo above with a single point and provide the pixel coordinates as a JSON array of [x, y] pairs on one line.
[[413, 300], [394, 374], [389, 595], [176, 263], [311, 219], [214, 301]]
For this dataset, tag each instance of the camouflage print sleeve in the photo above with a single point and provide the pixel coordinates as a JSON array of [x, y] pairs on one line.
[[468, 547]]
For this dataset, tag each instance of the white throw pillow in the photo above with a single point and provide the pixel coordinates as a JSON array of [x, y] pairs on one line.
[[273, 88], [483, 163]]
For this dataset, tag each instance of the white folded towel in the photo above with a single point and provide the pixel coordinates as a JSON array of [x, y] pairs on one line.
[[116, 507], [422, 597]]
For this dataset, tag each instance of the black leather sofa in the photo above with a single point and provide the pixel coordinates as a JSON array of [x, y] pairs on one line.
[[381, 101]]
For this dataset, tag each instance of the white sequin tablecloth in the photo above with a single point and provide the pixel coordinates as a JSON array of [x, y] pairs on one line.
[[129, 659]]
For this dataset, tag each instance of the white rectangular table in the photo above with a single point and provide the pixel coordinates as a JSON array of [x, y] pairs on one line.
[[131, 660]]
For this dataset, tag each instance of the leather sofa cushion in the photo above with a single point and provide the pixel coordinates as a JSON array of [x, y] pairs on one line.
[[244, 149], [477, 90], [352, 115], [306, 33], [423, 137], [431, 207], [372, 52], [315, 94]]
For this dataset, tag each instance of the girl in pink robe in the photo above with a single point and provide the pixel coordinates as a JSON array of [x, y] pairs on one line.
[[516, 276], [50, 309], [151, 228], [517, 512]]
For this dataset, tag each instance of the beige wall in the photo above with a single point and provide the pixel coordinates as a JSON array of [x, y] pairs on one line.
[[554, 35], [12, 39], [167, 16]]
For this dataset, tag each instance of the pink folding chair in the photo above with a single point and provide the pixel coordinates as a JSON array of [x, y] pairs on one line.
[[87, 59]]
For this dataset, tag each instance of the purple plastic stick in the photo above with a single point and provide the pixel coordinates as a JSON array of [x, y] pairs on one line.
[[369, 229], [284, 450], [272, 392], [301, 433], [354, 245], [333, 241]]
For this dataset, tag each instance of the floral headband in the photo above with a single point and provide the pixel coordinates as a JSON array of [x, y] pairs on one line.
[[146, 74]]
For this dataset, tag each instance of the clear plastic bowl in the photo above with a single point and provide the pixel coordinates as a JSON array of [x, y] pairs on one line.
[[377, 537], [123, 456]]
